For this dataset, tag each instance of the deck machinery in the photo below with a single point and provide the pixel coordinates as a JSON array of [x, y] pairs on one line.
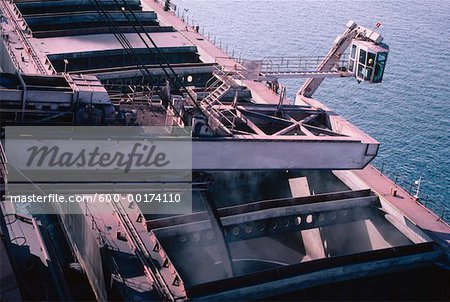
[[282, 204]]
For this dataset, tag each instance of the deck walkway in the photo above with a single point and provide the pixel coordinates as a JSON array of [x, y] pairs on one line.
[[407, 204]]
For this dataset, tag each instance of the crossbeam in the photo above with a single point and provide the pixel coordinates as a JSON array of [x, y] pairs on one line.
[[257, 206]]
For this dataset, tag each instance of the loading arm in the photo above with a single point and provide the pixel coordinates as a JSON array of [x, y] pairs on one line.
[[334, 55]]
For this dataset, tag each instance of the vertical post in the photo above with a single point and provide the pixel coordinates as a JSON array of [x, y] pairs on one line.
[[216, 223], [418, 182], [66, 62], [1, 25], [24, 94]]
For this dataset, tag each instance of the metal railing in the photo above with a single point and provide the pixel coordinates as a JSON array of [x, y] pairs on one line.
[[410, 186], [140, 250], [3, 161], [17, 28], [211, 102], [12, 55], [298, 64], [139, 94], [219, 74]]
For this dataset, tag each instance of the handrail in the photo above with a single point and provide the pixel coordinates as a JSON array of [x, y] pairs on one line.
[[297, 64], [12, 55], [37, 62], [3, 162], [217, 73], [141, 252], [227, 79]]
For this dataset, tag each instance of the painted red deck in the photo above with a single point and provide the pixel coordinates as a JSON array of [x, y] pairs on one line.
[[407, 204]]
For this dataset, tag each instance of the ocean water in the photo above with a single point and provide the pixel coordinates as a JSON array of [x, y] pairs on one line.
[[409, 113]]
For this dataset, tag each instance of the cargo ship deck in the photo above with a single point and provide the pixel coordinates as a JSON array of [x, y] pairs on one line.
[[285, 202]]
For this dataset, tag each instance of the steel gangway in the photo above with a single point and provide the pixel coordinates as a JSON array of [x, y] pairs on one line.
[[293, 67]]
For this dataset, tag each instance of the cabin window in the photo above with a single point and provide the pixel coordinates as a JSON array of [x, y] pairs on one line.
[[382, 58], [367, 72], [379, 67], [362, 57], [360, 71], [353, 53], [351, 65], [370, 59]]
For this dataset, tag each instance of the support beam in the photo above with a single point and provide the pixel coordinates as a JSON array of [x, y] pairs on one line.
[[222, 246], [257, 206], [250, 124], [312, 240]]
